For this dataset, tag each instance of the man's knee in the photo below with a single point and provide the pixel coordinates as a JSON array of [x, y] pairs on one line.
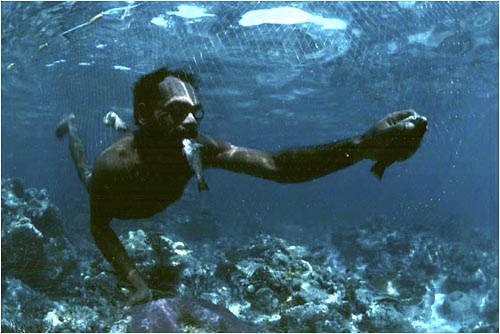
[[85, 175]]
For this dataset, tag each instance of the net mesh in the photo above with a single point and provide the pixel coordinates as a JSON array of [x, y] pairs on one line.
[[323, 69]]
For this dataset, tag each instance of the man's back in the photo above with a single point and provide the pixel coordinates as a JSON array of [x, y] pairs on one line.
[[133, 181]]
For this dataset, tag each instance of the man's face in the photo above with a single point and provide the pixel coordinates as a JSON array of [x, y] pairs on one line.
[[175, 116]]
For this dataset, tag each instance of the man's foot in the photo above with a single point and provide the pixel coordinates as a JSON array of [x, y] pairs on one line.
[[139, 297], [142, 294], [63, 127]]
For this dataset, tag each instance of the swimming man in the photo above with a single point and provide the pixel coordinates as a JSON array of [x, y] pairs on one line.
[[145, 171]]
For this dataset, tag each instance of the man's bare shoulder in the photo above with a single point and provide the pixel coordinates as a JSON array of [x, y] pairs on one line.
[[212, 145], [121, 154], [222, 154]]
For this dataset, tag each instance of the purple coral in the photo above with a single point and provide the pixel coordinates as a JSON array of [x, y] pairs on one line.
[[183, 315]]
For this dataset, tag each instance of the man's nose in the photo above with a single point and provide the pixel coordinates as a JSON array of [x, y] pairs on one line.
[[190, 119]]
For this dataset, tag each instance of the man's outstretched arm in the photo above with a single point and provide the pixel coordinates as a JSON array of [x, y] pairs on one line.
[[288, 166], [394, 138]]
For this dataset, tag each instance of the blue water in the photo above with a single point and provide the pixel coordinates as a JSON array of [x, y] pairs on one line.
[[269, 84]]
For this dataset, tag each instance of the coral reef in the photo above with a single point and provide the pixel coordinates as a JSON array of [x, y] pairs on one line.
[[175, 315], [378, 276], [34, 248]]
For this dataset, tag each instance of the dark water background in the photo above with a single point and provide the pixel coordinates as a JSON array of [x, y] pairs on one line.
[[269, 86]]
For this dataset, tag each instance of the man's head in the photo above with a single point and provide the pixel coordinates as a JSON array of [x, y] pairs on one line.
[[166, 102]]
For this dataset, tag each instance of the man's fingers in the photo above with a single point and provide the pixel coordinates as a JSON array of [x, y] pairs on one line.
[[405, 125], [411, 122], [402, 115]]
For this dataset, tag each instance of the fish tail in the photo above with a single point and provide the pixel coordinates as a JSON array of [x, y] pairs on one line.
[[378, 169]]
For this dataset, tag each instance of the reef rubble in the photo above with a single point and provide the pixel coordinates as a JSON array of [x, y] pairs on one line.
[[377, 276]]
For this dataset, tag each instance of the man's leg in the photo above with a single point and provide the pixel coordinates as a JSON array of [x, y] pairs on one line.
[[67, 125]]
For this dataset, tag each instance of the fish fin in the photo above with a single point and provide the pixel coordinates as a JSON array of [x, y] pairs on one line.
[[378, 169], [202, 186]]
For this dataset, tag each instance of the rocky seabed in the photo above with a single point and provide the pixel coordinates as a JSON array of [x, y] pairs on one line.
[[379, 276]]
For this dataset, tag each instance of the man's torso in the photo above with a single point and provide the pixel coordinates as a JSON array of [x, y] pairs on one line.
[[129, 182]]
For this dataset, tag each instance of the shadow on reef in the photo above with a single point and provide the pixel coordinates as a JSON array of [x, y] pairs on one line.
[[379, 276], [176, 315]]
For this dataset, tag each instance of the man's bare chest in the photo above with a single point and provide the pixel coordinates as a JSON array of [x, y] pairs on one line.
[[163, 177], [140, 188]]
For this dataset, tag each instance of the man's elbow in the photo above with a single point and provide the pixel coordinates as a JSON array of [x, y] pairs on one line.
[[284, 173], [288, 170], [284, 178]]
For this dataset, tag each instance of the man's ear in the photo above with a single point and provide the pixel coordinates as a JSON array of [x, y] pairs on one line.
[[141, 114]]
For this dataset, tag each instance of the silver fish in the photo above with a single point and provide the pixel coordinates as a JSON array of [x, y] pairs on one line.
[[192, 152]]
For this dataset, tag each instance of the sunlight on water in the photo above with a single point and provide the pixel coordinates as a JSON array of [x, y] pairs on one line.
[[288, 15]]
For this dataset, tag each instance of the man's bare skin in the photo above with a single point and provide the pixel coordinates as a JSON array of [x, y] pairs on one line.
[[145, 171]]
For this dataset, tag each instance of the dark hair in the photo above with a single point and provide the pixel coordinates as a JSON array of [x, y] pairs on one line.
[[146, 88]]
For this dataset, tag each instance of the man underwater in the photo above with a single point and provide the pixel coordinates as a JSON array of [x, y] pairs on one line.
[[145, 171]]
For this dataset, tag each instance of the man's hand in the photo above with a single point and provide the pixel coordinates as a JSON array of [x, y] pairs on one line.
[[394, 138], [142, 294]]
